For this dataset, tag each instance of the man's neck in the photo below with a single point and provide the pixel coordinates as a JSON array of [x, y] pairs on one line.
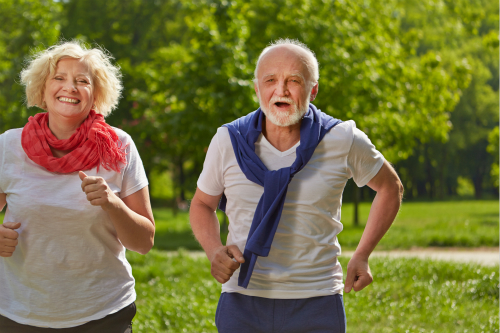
[[282, 138]]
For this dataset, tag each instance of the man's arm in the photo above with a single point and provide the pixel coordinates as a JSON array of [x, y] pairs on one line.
[[3, 200], [383, 211], [206, 229]]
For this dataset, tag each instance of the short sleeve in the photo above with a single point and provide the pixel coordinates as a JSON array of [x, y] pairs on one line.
[[134, 175], [364, 160], [211, 180]]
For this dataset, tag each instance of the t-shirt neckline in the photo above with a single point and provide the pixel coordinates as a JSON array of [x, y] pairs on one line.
[[263, 141]]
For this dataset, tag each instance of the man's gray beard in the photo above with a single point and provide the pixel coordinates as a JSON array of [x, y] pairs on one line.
[[284, 119]]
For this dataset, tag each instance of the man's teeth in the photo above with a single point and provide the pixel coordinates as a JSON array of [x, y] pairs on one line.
[[69, 100]]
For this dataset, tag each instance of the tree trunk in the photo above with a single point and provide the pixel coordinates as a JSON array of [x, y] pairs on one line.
[[356, 193], [182, 180], [478, 185], [429, 172]]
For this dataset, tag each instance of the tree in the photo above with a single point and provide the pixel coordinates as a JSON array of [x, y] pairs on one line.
[[27, 25], [456, 30], [188, 66]]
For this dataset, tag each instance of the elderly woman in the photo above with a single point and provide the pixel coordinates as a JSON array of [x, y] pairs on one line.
[[77, 196]]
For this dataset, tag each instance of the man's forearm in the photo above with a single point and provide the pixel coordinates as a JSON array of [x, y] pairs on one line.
[[383, 211], [205, 225]]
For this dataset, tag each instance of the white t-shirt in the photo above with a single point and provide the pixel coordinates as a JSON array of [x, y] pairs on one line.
[[69, 266], [302, 262]]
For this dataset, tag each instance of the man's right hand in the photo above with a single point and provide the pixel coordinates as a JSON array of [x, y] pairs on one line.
[[223, 265], [8, 238]]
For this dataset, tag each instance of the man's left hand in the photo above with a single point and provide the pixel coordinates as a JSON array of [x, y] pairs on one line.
[[358, 274]]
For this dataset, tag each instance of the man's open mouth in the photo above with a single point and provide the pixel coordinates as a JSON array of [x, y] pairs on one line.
[[281, 104]]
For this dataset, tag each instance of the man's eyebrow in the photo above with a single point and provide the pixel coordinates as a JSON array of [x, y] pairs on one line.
[[298, 75], [268, 75]]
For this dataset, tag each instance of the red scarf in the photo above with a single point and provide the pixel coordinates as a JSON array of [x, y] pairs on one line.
[[93, 144]]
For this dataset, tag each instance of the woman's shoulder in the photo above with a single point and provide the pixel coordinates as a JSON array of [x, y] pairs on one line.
[[124, 137], [11, 135]]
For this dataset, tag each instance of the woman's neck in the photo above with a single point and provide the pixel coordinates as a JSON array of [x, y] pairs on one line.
[[63, 128]]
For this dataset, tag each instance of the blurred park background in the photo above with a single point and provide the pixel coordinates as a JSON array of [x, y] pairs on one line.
[[420, 77]]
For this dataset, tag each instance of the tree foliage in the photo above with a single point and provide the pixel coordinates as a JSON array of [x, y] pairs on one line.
[[456, 30], [190, 66], [26, 25], [398, 68]]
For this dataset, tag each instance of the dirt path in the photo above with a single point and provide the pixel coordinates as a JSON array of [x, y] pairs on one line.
[[484, 256], [488, 256]]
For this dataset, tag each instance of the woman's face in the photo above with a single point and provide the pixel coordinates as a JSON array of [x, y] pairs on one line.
[[69, 93]]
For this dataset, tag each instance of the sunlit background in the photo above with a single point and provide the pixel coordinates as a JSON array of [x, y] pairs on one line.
[[420, 77]]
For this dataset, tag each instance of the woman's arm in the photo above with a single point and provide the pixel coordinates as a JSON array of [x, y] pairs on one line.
[[132, 216], [8, 235]]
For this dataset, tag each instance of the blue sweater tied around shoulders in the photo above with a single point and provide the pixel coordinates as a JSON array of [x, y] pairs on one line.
[[244, 132]]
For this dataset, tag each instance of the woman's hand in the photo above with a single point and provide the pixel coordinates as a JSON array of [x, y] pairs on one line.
[[131, 216], [8, 238], [98, 192]]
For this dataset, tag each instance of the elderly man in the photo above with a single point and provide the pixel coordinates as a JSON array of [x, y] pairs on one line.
[[280, 172]]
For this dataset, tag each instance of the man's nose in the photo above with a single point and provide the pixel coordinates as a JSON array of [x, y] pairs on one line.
[[282, 89]]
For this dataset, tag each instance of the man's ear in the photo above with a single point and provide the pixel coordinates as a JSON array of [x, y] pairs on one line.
[[314, 92], [256, 88]]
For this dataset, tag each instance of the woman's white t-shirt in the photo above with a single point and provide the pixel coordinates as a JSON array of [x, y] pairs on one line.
[[69, 266], [303, 261]]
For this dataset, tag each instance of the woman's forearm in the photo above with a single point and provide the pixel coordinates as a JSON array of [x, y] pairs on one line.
[[135, 231]]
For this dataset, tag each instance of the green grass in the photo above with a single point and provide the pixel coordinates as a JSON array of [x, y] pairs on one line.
[[177, 294], [424, 224], [173, 230], [418, 224]]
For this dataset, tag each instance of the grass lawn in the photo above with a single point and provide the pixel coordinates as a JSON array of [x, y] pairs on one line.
[[419, 224], [177, 294], [424, 224]]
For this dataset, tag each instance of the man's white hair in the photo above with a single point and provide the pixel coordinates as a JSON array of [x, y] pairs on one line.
[[312, 65]]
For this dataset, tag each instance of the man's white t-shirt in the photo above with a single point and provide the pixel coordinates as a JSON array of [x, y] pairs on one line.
[[303, 261], [69, 266]]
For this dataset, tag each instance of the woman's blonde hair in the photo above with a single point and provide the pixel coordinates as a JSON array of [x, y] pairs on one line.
[[106, 76]]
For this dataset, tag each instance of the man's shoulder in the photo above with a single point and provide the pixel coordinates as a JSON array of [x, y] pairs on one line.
[[242, 121], [342, 131], [222, 139]]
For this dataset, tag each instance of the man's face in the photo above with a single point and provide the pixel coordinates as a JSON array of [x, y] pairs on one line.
[[284, 85]]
